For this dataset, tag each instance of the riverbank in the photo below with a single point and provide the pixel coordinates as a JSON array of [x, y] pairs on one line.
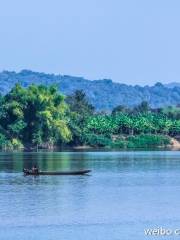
[[115, 142], [175, 144], [137, 142], [129, 141]]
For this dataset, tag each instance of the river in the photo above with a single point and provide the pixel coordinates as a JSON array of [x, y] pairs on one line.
[[126, 193]]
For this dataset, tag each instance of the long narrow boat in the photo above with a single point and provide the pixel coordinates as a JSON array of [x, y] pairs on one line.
[[79, 172]]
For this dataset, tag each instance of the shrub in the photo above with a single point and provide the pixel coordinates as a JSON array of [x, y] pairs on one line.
[[97, 140], [119, 144], [131, 145], [3, 141], [16, 144], [145, 141]]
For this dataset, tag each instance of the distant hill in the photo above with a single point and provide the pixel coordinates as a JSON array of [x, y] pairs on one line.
[[172, 85], [103, 94]]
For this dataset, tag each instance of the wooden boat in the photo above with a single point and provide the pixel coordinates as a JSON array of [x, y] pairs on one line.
[[78, 172]]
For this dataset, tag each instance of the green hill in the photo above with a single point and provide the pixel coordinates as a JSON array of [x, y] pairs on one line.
[[103, 94]]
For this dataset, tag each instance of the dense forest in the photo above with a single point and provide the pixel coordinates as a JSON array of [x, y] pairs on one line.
[[39, 116], [102, 94]]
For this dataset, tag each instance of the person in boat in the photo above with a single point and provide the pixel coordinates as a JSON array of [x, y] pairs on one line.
[[35, 169]]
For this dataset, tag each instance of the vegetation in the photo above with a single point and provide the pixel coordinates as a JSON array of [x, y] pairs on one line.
[[33, 116], [41, 117], [80, 110]]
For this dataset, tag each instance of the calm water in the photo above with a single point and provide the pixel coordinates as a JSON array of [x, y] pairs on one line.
[[126, 193]]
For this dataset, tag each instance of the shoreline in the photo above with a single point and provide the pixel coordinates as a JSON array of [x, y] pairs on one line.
[[174, 145], [94, 149]]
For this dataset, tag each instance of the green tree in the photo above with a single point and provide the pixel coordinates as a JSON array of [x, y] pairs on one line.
[[80, 110], [142, 108], [120, 109], [35, 115]]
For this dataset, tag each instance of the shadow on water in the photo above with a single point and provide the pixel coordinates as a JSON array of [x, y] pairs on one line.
[[51, 161]]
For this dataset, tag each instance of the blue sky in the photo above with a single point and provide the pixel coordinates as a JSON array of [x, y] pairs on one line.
[[130, 41]]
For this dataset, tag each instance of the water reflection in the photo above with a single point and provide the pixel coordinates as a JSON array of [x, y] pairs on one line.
[[117, 161]]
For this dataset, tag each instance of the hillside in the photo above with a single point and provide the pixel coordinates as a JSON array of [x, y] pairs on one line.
[[103, 94], [172, 84]]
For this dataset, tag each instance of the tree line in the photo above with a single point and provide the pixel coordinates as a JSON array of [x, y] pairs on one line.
[[40, 116]]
